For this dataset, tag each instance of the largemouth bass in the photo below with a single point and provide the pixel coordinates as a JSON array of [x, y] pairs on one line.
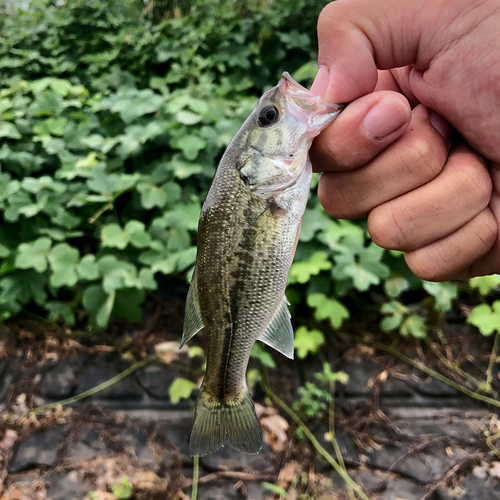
[[247, 235]]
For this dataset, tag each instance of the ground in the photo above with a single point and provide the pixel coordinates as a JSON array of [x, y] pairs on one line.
[[403, 434]]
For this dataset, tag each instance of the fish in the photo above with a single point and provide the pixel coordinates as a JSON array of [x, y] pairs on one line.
[[247, 235]]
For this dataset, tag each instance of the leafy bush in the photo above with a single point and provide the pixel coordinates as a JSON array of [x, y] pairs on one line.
[[111, 128]]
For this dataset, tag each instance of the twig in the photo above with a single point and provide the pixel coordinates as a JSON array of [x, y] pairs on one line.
[[451, 365], [432, 373], [100, 387], [444, 478], [196, 471], [348, 480], [491, 446], [489, 373], [230, 474]]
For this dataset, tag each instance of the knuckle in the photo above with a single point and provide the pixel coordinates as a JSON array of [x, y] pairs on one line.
[[337, 199], [387, 228], [422, 159], [473, 180], [426, 265]]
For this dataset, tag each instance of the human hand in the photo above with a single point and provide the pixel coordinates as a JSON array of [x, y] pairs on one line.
[[435, 204]]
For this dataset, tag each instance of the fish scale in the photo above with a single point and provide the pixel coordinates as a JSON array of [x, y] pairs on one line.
[[247, 235]]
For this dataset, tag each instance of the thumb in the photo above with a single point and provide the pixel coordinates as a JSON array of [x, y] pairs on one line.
[[358, 36]]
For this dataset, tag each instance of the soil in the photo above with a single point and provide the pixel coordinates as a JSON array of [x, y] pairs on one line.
[[403, 434]]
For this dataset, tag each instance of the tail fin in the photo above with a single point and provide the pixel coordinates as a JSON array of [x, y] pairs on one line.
[[231, 421]]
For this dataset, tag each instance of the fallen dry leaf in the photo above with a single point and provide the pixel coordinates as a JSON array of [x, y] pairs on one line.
[[169, 351], [287, 473], [8, 440], [274, 427]]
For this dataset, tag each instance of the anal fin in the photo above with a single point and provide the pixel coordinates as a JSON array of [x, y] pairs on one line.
[[279, 332], [193, 321]]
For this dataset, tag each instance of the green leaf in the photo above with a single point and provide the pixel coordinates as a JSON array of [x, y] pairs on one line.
[[33, 255], [190, 145], [99, 304], [395, 312], [395, 286], [4, 251], [88, 269], [188, 117], [301, 271], [60, 310], [63, 260], [181, 388], [313, 221], [114, 236], [103, 183], [485, 284], [326, 308], [307, 341], [486, 318], [415, 326], [152, 195], [128, 304], [273, 488], [443, 293], [9, 131]]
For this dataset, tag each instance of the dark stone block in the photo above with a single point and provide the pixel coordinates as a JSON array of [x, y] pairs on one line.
[[66, 487], [156, 379], [138, 441], [435, 388], [228, 459], [39, 450], [360, 372], [100, 371], [222, 491], [178, 433], [88, 446], [476, 488], [389, 487], [349, 451], [61, 380]]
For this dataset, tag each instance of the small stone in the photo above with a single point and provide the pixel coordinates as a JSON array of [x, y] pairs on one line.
[[66, 487], [100, 371], [38, 450], [60, 381]]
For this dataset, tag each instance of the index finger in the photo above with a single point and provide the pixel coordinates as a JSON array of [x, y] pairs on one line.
[[361, 131]]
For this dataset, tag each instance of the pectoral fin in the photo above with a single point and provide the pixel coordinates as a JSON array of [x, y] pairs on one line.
[[279, 333], [193, 322]]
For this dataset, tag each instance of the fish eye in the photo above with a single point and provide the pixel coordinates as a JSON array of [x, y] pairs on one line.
[[268, 115]]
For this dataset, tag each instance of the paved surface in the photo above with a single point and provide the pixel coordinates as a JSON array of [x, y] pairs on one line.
[[402, 437]]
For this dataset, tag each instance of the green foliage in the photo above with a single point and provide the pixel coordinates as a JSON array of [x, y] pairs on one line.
[[113, 118], [485, 284], [400, 317], [181, 388], [307, 341], [486, 318], [314, 398], [123, 490]]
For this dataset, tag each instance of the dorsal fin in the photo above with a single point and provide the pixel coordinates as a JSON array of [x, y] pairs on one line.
[[279, 332], [193, 322]]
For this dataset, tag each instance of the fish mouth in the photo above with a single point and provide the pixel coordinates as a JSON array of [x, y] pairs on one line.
[[306, 106]]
